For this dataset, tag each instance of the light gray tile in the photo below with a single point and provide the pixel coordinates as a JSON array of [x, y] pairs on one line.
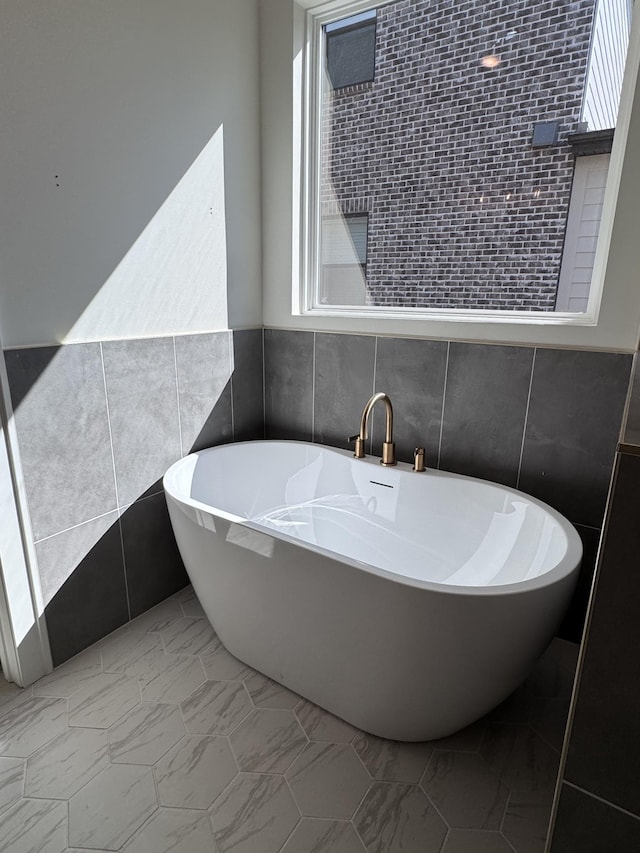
[[474, 841], [320, 725], [191, 607], [412, 373], [216, 707], [195, 772], [103, 700], [328, 780], [391, 760], [526, 822], [323, 836], [220, 665], [65, 764], [83, 575], [204, 371], [267, 741], [266, 693], [143, 412], [255, 814], [175, 678], [128, 651], [109, 809], [35, 826], [11, 781], [61, 416], [522, 760], [145, 734], [188, 636], [343, 384], [288, 367], [484, 410], [70, 676], [29, 724], [9, 692], [396, 818], [465, 791], [158, 617], [174, 831]]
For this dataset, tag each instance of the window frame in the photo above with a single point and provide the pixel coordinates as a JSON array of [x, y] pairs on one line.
[[306, 300]]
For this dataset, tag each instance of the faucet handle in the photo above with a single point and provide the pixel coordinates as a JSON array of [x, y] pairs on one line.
[[359, 448], [418, 459]]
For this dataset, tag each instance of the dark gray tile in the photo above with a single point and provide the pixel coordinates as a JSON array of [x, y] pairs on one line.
[[203, 365], [631, 431], [143, 410], [575, 413], [288, 373], [573, 622], [248, 400], [63, 431], [83, 585], [343, 384], [484, 410], [153, 563], [604, 748], [587, 825], [412, 373]]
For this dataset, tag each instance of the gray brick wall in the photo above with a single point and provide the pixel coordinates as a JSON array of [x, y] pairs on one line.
[[463, 212]]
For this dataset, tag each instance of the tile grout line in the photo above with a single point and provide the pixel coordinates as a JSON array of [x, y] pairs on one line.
[[79, 524], [175, 368], [601, 799], [526, 417], [115, 481], [444, 398]]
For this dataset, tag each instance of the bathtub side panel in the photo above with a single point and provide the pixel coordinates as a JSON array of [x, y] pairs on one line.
[[400, 662]]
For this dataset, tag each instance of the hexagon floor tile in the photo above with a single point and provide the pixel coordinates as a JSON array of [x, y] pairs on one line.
[[328, 780], [109, 809], [184, 748], [396, 818], [256, 812], [195, 772]]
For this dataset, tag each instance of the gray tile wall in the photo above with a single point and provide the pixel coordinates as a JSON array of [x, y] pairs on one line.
[[543, 420], [599, 805], [98, 425]]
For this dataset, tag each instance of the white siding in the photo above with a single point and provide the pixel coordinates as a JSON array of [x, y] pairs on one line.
[[606, 64], [583, 226]]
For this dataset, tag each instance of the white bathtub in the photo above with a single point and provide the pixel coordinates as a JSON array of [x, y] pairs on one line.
[[409, 604]]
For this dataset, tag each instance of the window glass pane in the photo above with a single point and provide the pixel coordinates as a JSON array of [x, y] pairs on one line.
[[458, 148]]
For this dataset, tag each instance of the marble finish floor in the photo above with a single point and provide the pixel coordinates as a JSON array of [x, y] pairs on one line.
[[156, 740]]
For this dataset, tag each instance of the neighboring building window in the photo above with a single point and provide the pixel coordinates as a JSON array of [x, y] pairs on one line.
[[344, 259], [466, 213], [350, 49]]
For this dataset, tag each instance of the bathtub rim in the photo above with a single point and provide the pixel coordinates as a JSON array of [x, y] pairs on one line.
[[568, 565]]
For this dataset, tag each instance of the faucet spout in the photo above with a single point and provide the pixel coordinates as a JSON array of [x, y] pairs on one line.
[[388, 447]]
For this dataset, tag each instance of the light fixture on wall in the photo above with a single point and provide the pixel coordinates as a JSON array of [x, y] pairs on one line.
[[490, 60]]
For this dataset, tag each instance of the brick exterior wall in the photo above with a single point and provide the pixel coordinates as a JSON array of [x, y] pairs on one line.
[[463, 212]]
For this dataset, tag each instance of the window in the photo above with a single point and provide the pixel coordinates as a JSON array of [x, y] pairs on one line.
[[350, 50], [463, 212]]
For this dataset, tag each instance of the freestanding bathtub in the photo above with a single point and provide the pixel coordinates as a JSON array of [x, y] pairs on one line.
[[409, 604]]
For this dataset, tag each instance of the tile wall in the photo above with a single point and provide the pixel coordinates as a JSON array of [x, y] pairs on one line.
[[543, 420], [599, 803], [98, 425]]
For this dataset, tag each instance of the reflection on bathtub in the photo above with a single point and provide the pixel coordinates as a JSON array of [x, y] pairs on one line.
[[244, 537]]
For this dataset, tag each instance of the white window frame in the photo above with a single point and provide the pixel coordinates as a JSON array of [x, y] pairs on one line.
[[487, 325]]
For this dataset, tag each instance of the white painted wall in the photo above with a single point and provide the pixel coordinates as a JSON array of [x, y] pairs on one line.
[[129, 168], [617, 259]]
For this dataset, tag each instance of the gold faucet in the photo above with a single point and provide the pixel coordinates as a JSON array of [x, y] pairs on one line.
[[388, 447]]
